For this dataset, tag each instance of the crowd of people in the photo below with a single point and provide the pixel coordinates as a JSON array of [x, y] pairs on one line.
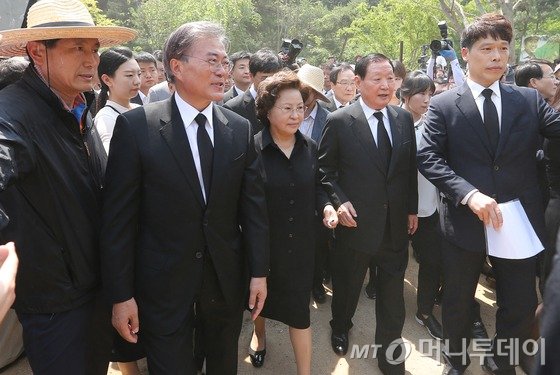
[[152, 199]]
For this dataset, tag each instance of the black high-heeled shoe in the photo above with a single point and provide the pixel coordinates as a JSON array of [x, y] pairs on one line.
[[257, 357]]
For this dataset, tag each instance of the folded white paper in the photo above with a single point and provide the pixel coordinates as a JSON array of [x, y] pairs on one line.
[[516, 238]]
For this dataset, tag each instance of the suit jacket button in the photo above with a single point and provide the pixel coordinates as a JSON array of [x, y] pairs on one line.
[[385, 206], [198, 255], [291, 219], [496, 167]]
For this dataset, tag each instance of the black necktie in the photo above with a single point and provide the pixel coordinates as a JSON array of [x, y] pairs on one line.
[[205, 152], [491, 119], [383, 141]]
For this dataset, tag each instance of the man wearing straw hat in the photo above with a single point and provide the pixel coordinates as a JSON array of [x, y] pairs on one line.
[[51, 175]]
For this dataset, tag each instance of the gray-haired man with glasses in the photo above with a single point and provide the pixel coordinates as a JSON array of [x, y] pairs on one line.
[[185, 215]]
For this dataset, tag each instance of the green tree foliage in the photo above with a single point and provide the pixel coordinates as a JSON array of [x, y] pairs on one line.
[[98, 17], [381, 28], [156, 19]]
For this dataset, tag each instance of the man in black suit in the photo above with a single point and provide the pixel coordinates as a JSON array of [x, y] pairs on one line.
[[368, 166], [262, 65], [479, 149], [343, 87], [184, 214], [239, 65]]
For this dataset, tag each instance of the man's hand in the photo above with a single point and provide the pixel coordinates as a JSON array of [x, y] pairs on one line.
[[8, 270], [412, 224], [346, 214], [486, 209], [125, 320], [257, 295], [330, 218]]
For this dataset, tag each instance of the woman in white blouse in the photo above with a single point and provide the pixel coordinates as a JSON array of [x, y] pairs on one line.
[[416, 92], [119, 75]]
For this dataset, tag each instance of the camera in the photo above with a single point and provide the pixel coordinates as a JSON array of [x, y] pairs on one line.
[[445, 42], [289, 50]]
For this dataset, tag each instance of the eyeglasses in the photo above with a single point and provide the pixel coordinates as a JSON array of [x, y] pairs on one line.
[[551, 76], [213, 63], [346, 83], [300, 109]]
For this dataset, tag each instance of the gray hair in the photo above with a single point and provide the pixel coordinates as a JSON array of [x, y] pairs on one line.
[[185, 36]]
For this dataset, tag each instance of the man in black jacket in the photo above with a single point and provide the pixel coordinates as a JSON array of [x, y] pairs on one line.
[[51, 175], [368, 167], [262, 65]]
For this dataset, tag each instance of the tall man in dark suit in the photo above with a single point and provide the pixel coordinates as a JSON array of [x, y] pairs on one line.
[[182, 182], [239, 65], [479, 149], [368, 165], [262, 65]]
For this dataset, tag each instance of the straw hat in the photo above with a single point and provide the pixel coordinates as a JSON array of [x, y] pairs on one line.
[[313, 77], [61, 19]]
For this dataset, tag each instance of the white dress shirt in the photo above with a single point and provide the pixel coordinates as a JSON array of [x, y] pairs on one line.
[[143, 97], [337, 103], [188, 113], [253, 91], [476, 90], [306, 127], [372, 120]]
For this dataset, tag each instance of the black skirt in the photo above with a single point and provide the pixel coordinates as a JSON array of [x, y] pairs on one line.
[[290, 307]]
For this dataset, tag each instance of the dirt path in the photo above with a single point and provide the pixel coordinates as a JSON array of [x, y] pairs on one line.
[[280, 358]]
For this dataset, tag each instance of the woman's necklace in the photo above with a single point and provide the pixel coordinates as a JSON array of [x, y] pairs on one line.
[[287, 148]]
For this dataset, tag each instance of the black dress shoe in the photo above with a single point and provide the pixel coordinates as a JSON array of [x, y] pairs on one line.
[[370, 291], [257, 357], [339, 343], [489, 367], [479, 330], [448, 370], [439, 296], [431, 324], [319, 294]]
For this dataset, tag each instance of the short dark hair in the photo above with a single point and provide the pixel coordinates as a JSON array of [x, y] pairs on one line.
[[264, 61], [11, 70], [333, 76], [269, 89], [239, 55], [416, 82], [145, 57], [363, 63], [490, 24], [399, 69], [524, 73]]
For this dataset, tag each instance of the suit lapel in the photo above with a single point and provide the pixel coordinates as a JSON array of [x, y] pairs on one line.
[[319, 123], [511, 109], [174, 134], [466, 104], [362, 131], [223, 139], [249, 103], [397, 136]]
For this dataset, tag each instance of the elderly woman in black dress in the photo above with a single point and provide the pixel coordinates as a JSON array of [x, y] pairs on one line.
[[294, 196]]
